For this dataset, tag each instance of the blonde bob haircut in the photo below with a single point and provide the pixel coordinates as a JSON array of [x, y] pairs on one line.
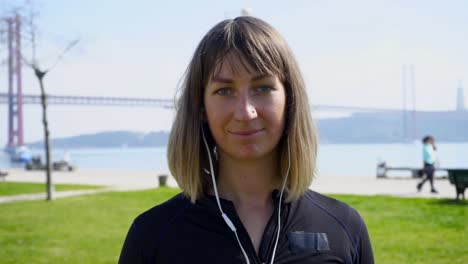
[[261, 49]]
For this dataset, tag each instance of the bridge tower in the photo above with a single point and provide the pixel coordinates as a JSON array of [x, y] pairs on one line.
[[460, 98], [15, 95]]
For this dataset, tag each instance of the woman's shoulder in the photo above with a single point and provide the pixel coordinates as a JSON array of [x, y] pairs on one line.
[[338, 221], [337, 211], [150, 228], [164, 213], [159, 219]]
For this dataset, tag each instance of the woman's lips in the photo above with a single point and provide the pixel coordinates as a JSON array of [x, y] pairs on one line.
[[246, 133]]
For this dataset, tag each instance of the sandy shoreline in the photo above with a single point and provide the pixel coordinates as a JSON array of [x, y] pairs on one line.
[[146, 179]]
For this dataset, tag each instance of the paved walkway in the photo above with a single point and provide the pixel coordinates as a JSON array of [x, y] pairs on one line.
[[139, 180], [55, 195]]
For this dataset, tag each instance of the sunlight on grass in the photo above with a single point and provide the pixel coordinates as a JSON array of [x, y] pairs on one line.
[[92, 228]]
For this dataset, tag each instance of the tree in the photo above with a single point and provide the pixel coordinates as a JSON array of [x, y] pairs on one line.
[[40, 73]]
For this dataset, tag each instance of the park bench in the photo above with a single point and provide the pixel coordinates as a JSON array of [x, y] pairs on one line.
[[459, 178], [382, 170]]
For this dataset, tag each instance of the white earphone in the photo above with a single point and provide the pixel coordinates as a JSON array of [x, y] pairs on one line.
[[226, 218]]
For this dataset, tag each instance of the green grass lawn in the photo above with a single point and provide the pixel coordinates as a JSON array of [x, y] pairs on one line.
[[92, 228], [414, 230], [14, 188]]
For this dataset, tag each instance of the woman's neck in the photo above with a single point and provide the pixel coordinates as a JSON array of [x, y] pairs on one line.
[[248, 182]]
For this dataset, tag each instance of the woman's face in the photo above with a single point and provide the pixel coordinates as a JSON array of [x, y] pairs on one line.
[[245, 111]]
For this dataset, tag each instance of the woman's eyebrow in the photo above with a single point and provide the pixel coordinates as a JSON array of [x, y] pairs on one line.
[[228, 80]]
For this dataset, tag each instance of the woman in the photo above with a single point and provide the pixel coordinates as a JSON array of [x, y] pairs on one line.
[[243, 148], [429, 162]]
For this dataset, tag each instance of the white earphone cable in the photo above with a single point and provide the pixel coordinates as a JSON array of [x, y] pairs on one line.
[[215, 188], [279, 204]]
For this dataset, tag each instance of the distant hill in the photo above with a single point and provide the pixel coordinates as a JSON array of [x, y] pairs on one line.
[[389, 127], [109, 140], [358, 128]]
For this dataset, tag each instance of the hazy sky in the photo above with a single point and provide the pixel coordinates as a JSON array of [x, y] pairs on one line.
[[351, 53]]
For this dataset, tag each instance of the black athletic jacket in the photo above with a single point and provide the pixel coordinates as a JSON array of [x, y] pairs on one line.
[[314, 229]]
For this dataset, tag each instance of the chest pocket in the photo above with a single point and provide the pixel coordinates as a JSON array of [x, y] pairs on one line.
[[305, 241]]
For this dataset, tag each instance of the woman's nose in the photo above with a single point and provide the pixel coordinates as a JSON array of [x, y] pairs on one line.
[[244, 108]]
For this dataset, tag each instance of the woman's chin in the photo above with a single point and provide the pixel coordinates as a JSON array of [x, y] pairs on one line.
[[249, 153]]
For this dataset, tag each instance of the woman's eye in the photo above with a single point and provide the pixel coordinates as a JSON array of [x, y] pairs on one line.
[[264, 89], [223, 91]]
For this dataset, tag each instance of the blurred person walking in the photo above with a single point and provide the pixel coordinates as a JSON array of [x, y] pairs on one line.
[[429, 159]]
